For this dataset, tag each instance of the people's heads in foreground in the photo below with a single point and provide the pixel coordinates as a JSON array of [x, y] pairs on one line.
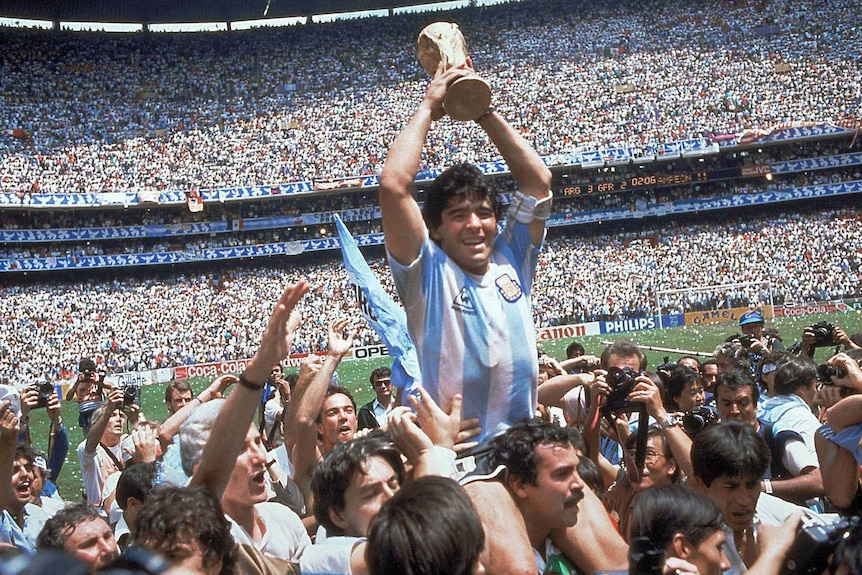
[[353, 481], [186, 525], [80, 531], [685, 524], [729, 460], [430, 526], [541, 459], [736, 397]]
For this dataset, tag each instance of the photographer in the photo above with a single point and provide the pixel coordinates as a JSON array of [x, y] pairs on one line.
[[824, 334], [838, 442], [88, 392], [755, 339], [101, 454], [44, 396], [667, 445], [790, 410]]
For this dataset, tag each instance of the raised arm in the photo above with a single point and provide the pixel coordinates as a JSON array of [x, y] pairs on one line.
[[403, 227], [233, 421], [8, 439], [530, 173], [172, 425], [308, 404], [94, 436]]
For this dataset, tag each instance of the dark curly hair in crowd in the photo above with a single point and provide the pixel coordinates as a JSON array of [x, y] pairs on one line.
[[59, 527], [428, 527], [515, 449], [464, 181], [175, 515], [333, 475]]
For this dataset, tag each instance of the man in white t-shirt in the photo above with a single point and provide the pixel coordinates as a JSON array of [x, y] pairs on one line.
[[101, 454]]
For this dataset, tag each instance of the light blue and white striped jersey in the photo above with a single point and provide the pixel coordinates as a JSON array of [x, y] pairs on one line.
[[474, 334]]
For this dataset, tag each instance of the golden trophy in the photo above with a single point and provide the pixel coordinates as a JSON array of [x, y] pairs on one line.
[[467, 98]]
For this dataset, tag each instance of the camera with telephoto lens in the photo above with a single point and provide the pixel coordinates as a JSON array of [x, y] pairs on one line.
[[621, 380], [746, 341], [824, 333], [45, 391], [645, 558], [814, 544], [697, 419]]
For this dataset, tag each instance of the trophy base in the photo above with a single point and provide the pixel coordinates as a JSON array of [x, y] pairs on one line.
[[467, 99]]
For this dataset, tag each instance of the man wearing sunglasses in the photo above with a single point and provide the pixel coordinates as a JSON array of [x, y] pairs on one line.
[[374, 413]]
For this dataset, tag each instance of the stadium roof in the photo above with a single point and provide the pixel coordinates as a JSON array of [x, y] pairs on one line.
[[171, 11]]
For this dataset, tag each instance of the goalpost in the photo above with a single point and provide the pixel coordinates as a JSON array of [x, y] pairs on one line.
[[752, 295]]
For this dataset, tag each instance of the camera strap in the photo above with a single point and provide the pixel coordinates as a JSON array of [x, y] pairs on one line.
[[634, 467], [113, 457]]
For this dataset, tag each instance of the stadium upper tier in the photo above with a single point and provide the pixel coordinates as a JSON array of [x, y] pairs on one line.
[[88, 112]]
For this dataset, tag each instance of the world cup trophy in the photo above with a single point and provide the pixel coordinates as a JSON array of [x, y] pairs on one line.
[[467, 98]]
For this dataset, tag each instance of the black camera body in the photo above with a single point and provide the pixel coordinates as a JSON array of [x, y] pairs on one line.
[[697, 419], [746, 341], [824, 333], [130, 395], [621, 380], [814, 544], [45, 391]]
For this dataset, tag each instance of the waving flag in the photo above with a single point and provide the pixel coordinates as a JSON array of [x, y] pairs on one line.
[[382, 314]]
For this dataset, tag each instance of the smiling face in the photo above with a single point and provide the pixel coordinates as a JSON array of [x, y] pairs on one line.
[[659, 467], [466, 233], [553, 500], [337, 422], [368, 490], [247, 485], [736, 498]]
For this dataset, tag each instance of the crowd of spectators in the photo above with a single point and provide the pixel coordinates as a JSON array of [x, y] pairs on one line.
[[149, 111], [198, 317]]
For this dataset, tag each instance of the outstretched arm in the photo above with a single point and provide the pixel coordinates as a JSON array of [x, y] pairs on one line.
[[309, 403], [235, 417], [403, 227], [530, 173]]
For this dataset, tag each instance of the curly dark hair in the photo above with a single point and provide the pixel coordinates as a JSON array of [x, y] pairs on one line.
[[462, 181], [174, 515], [333, 476], [59, 527], [515, 449]]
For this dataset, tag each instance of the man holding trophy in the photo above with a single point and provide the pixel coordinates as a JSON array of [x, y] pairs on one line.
[[465, 289]]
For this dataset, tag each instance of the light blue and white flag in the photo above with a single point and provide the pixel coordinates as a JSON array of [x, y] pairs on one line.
[[382, 314]]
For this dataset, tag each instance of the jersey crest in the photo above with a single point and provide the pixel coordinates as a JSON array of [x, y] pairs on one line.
[[508, 288]]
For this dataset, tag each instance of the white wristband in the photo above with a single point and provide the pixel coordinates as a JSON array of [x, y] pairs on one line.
[[767, 486], [525, 209]]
